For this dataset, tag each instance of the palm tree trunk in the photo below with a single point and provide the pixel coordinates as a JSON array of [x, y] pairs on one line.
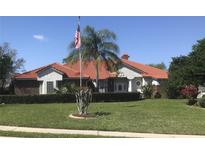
[[97, 77]]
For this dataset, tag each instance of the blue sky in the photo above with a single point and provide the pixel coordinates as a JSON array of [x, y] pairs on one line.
[[44, 40]]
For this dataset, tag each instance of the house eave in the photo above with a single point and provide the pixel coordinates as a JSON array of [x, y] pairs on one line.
[[25, 78]]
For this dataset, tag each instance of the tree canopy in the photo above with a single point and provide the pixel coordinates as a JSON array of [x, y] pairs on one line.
[[189, 69], [98, 46], [9, 65], [161, 66]]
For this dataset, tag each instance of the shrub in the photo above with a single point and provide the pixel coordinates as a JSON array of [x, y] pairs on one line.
[[157, 95], [191, 101], [190, 92], [30, 99], [164, 88], [116, 97], [173, 92], [67, 98], [201, 102], [147, 91], [67, 89]]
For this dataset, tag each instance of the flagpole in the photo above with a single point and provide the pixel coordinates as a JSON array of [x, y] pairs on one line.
[[80, 58]]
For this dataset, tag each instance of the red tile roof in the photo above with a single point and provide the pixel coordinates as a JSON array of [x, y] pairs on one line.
[[69, 72], [147, 71], [88, 70]]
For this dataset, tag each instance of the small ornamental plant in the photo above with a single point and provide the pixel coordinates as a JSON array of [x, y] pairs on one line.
[[190, 92], [147, 91]]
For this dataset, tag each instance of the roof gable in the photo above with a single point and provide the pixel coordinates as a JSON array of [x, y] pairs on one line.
[[147, 71]]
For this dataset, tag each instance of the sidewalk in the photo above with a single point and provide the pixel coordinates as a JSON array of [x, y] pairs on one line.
[[95, 132]]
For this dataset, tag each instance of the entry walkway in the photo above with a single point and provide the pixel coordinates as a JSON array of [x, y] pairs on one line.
[[94, 132]]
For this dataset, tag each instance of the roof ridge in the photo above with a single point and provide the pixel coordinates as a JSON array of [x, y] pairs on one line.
[[34, 70], [43, 67]]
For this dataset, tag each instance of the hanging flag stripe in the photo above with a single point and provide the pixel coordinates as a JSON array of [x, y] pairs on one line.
[[77, 36]]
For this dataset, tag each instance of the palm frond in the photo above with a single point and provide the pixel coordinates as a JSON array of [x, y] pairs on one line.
[[111, 46], [107, 35], [72, 57], [96, 46]]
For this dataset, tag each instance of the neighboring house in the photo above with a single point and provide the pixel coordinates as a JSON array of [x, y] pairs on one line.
[[201, 92], [130, 77]]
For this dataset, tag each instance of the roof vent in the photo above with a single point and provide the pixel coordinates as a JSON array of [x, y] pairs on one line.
[[125, 56]]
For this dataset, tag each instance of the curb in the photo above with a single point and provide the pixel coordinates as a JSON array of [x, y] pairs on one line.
[[94, 132]]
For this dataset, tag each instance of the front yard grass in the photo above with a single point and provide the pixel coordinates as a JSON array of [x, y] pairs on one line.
[[147, 116]]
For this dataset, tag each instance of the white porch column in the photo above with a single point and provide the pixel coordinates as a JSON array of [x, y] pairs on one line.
[[130, 86]]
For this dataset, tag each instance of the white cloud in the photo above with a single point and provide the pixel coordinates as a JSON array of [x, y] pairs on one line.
[[39, 37]]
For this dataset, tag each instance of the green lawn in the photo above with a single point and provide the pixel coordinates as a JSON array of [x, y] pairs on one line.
[[151, 116]]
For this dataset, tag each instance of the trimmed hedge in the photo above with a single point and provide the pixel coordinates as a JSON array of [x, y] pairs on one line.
[[116, 97], [31, 99], [67, 98]]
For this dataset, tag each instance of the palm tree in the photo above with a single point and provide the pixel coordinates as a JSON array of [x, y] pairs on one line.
[[97, 46]]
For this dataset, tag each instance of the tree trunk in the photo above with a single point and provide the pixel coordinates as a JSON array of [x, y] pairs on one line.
[[83, 99], [97, 78]]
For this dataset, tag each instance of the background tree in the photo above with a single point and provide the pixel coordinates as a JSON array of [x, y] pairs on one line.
[[187, 70], [160, 66], [9, 65], [97, 46]]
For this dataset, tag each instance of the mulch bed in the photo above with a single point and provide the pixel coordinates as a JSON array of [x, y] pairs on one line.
[[78, 116]]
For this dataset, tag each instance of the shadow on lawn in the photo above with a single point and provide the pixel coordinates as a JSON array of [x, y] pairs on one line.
[[2, 105], [102, 113], [131, 106]]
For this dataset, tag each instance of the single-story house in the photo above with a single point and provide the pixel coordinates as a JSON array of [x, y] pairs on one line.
[[130, 77]]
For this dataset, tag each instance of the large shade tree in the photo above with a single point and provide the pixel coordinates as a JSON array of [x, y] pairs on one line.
[[161, 66], [97, 46], [186, 70], [9, 65]]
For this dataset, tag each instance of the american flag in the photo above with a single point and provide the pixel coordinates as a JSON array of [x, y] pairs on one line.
[[77, 36]]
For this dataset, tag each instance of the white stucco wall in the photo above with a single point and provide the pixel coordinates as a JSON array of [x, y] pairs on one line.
[[128, 72], [136, 87], [49, 74], [134, 76]]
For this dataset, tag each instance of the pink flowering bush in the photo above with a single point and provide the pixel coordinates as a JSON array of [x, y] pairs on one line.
[[190, 92]]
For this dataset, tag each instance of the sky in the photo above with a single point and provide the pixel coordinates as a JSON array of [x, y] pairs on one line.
[[148, 40]]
